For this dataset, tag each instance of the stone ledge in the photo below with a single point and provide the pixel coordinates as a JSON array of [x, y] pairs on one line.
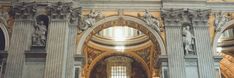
[[36, 53], [217, 58], [78, 57]]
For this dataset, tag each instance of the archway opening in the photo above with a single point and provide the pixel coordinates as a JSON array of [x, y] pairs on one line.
[[223, 45], [124, 35], [118, 67]]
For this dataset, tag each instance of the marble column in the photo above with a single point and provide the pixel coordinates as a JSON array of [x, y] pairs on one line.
[[57, 45], [175, 52], [203, 44], [19, 44]]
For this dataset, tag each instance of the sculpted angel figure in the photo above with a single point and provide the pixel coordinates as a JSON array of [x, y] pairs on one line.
[[151, 21], [91, 20], [220, 20], [188, 41]]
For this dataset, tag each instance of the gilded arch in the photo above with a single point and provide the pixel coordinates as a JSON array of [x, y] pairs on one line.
[[227, 25], [133, 22], [155, 36]]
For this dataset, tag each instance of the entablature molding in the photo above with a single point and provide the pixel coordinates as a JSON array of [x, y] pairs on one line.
[[178, 17]]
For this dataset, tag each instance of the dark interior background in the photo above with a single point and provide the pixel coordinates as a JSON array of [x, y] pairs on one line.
[[2, 40]]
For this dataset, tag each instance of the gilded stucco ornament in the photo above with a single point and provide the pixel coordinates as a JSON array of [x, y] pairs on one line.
[[152, 21]]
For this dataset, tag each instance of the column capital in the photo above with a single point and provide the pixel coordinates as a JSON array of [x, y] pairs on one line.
[[171, 16], [23, 10], [59, 10], [200, 16]]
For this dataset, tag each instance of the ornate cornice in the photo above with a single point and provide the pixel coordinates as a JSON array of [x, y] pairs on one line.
[[178, 17]]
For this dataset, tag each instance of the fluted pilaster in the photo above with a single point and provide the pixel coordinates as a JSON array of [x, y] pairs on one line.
[[203, 44], [204, 53], [19, 44], [57, 49], [175, 52], [70, 52]]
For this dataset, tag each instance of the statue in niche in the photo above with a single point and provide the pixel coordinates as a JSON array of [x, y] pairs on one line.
[[91, 19], [151, 21], [220, 20], [188, 40], [39, 35]]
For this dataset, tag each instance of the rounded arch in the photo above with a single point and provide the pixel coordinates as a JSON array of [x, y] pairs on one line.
[[3, 25], [109, 54], [218, 34], [156, 36]]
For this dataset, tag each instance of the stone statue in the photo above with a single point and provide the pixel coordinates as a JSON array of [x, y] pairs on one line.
[[188, 41], [151, 21], [220, 20], [39, 35], [91, 19], [75, 16]]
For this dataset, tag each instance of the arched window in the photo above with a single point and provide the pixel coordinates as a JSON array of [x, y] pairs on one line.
[[119, 67]]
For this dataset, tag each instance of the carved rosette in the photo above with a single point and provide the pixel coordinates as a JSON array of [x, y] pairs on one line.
[[59, 10], [24, 10]]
